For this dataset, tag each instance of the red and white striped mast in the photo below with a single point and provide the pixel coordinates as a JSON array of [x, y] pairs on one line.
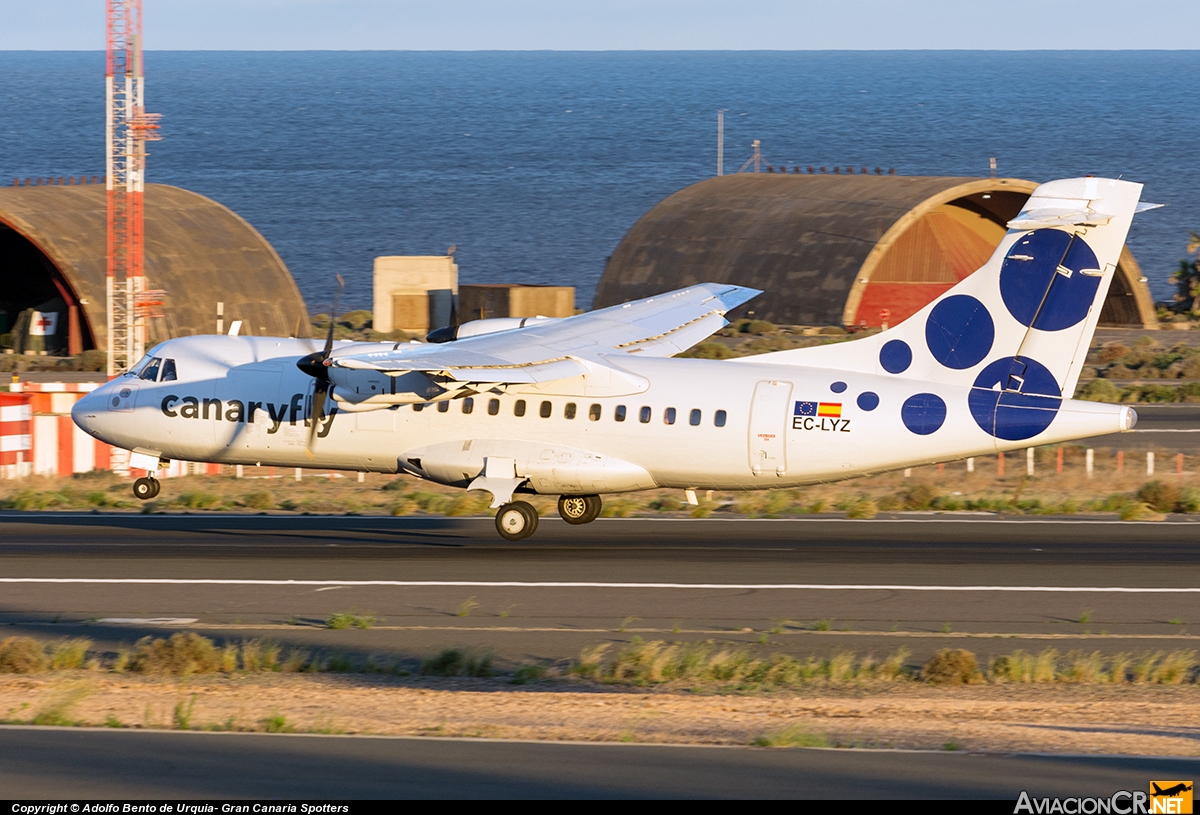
[[127, 129]]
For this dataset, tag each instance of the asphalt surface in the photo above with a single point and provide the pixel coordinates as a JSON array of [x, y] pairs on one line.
[[805, 587], [809, 586], [64, 763]]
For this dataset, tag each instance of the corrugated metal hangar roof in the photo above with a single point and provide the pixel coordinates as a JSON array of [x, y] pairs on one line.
[[834, 249], [53, 245]]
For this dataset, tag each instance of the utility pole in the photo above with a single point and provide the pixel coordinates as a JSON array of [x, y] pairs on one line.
[[720, 142], [127, 129]]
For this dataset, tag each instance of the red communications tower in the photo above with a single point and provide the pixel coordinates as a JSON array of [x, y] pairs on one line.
[[127, 129]]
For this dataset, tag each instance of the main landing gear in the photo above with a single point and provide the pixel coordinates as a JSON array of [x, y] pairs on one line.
[[579, 509], [146, 488], [518, 520]]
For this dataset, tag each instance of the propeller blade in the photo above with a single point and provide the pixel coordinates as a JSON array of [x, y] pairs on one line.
[[318, 414], [337, 297]]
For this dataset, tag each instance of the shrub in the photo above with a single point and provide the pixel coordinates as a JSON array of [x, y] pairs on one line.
[[201, 500], [1159, 495], [1139, 511], [70, 654], [181, 655], [919, 496], [456, 662], [950, 666], [258, 500], [22, 655], [1100, 390], [708, 350]]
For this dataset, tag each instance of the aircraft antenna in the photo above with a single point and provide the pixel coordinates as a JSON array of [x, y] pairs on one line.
[[127, 129]]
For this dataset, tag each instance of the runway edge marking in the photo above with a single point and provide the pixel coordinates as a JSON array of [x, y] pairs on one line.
[[169, 581]]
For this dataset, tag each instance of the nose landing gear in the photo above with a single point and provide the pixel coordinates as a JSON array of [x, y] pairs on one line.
[[146, 488], [516, 521], [579, 509]]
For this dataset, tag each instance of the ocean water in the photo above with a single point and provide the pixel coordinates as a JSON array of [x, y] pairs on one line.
[[534, 164]]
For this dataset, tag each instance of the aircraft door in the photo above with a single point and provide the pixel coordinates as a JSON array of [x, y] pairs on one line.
[[768, 427]]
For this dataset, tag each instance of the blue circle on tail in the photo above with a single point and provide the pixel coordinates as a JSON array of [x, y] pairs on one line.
[[959, 332], [895, 356], [923, 413], [1044, 279], [1015, 398]]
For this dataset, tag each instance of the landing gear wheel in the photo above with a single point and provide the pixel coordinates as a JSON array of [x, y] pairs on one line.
[[145, 488], [516, 521], [157, 487], [579, 509]]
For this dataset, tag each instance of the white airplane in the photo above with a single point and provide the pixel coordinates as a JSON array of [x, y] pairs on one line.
[[594, 404]]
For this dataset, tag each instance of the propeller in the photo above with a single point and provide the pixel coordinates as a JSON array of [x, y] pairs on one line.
[[316, 365]]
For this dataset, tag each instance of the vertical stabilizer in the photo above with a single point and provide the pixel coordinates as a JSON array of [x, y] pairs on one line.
[[1024, 321]]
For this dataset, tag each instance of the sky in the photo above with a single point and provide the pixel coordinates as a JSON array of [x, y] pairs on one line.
[[613, 24]]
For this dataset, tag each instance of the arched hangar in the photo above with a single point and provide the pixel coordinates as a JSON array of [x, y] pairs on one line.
[[848, 250], [53, 259]]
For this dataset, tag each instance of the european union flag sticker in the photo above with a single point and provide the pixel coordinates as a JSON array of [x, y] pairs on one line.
[[806, 409]]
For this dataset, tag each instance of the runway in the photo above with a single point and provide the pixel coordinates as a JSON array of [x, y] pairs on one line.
[[807, 586], [59, 763]]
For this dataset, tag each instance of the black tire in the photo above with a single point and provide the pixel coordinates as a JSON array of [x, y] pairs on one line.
[[516, 521], [157, 487], [144, 489], [579, 509]]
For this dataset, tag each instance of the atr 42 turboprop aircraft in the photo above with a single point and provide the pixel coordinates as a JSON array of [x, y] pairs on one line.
[[593, 404]]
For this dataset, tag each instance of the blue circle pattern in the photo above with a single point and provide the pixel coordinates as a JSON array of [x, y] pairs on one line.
[[1015, 398], [838, 387], [868, 400], [923, 413], [1034, 291], [895, 356], [959, 332]]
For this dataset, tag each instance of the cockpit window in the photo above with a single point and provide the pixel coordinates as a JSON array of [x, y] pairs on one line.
[[168, 371], [141, 363], [150, 372]]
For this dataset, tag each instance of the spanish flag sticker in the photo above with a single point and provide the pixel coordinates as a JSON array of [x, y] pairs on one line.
[[833, 409]]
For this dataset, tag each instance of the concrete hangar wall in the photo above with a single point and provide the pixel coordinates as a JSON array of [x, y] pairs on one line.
[[835, 249], [53, 257]]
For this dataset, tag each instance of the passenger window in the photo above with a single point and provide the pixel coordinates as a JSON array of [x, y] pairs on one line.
[[694, 418], [669, 416], [644, 415], [150, 372], [493, 407], [569, 411], [443, 406], [544, 410], [468, 405], [594, 413], [168, 371], [519, 408], [719, 418], [619, 413]]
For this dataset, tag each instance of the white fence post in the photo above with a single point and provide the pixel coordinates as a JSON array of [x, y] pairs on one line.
[[1029, 461], [1091, 455], [1150, 464]]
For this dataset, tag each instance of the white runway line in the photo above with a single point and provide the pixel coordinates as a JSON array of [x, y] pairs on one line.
[[501, 584]]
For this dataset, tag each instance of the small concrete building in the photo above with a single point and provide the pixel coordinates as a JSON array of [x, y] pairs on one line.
[[414, 292], [852, 250], [481, 301]]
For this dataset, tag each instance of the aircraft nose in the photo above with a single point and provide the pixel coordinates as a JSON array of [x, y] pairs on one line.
[[87, 410]]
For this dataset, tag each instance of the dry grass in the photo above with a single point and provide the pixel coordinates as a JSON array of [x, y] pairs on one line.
[[1129, 494]]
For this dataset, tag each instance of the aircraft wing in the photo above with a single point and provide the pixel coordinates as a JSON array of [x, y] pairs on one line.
[[659, 326]]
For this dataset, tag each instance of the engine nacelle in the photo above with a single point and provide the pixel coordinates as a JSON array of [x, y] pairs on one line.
[[489, 326], [359, 386]]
